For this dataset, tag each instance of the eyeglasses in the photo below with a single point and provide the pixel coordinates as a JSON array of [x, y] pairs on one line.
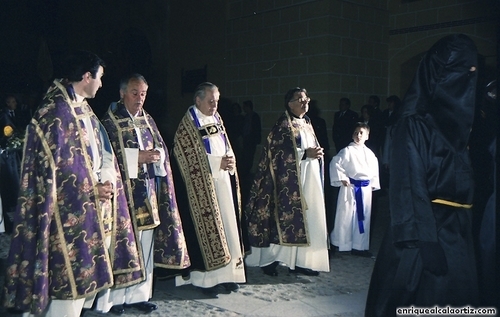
[[301, 100]]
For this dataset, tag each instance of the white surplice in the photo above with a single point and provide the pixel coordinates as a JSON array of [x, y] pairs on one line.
[[314, 256], [143, 291], [357, 162]]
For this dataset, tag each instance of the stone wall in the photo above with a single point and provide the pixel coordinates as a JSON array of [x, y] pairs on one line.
[[252, 49], [340, 48], [415, 26], [332, 48]]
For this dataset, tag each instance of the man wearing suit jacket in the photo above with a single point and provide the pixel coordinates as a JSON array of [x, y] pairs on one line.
[[344, 121], [343, 124], [14, 116], [10, 126]]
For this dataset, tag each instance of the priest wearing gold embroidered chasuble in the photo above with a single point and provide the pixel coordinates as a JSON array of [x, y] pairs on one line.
[[208, 181], [145, 166], [285, 214], [72, 231]]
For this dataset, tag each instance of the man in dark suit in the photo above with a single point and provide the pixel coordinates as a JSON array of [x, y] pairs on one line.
[[7, 117], [10, 127], [343, 124], [374, 101], [344, 121], [12, 115], [251, 133]]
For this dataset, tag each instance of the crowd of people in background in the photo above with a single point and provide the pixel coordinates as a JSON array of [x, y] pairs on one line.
[[119, 205]]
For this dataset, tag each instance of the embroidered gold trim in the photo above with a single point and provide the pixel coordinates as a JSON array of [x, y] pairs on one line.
[[294, 131], [203, 204], [60, 230], [150, 219]]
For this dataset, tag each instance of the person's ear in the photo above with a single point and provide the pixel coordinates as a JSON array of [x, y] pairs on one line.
[[87, 76]]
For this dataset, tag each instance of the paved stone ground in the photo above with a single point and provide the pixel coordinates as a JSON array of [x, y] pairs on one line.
[[340, 292]]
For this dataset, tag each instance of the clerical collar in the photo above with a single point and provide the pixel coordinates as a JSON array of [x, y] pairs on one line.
[[200, 114], [72, 93], [294, 117], [138, 114], [79, 98]]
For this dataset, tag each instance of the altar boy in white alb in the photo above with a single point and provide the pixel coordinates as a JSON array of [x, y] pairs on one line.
[[355, 170]]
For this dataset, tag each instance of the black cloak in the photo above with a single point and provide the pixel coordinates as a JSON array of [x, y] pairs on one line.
[[427, 256]]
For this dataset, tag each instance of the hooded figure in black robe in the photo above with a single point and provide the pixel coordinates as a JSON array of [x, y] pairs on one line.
[[427, 256]]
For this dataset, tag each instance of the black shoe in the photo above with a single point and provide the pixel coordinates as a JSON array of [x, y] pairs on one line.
[[301, 270], [210, 292], [221, 289], [12, 310], [214, 291], [162, 274], [84, 310], [232, 287], [117, 310], [364, 253], [271, 269], [145, 307]]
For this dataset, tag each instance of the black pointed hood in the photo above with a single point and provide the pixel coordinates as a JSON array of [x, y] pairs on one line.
[[443, 89]]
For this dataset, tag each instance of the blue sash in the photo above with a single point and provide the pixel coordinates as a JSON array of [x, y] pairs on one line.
[[358, 194]]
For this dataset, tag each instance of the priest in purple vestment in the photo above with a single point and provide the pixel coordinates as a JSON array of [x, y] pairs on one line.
[[145, 168], [285, 214], [72, 232]]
